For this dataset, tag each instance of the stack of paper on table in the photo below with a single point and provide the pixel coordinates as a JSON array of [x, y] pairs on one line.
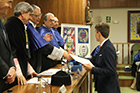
[[49, 72], [81, 60], [35, 80]]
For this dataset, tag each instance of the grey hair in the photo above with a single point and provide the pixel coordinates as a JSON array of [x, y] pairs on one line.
[[48, 14], [56, 17], [22, 6], [35, 7]]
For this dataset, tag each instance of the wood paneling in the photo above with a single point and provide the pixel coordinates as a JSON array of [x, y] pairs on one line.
[[63, 9], [114, 3], [73, 11], [67, 11]]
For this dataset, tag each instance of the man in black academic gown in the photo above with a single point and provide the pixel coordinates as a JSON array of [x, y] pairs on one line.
[[19, 40], [7, 67]]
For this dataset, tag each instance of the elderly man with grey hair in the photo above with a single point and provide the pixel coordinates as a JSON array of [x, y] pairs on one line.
[[48, 24], [40, 48], [18, 36], [44, 31]]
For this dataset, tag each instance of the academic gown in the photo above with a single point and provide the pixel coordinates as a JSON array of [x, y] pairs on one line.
[[58, 37], [43, 30], [6, 59], [39, 47], [16, 32]]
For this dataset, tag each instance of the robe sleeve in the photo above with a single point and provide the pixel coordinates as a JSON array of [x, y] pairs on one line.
[[18, 69], [57, 53], [30, 69]]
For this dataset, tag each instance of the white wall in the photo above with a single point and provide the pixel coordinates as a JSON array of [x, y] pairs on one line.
[[118, 32]]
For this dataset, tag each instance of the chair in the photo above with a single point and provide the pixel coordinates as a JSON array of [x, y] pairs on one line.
[[134, 51]]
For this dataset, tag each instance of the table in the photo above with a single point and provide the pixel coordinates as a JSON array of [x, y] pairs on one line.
[[79, 84]]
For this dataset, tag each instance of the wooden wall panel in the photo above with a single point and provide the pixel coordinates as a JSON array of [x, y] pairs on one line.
[[75, 11], [63, 10], [138, 3], [94, 3], [114, 3], [131, 3], [67, 11]]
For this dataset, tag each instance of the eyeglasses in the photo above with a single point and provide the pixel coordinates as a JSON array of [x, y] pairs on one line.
[[51, 20], [55, 21], [38, 15]]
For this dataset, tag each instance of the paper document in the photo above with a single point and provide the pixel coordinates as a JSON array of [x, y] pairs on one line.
[[35, 80], [81, 60], [49, 72]]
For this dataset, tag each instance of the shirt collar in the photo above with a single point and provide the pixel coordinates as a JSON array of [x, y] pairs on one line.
[[25, 27], [103, 42], [44, 25], [34, 25]]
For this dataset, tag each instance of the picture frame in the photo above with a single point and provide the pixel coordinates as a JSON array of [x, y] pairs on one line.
[[77, 38], [134, 26]]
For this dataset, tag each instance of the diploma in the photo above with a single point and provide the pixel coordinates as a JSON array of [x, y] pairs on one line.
[[81, 60]]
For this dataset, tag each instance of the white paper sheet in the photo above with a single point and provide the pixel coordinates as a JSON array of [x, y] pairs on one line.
[[81, 60], [35, 80], [49, 72]]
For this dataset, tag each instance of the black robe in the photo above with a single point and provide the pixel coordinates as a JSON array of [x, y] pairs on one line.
[[16, 32]]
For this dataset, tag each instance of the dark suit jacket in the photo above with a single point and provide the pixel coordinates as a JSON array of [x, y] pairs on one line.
[[6, 59], [105, 69]]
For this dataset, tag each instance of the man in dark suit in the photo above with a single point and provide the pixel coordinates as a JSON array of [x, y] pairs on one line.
[[106, 80], [7, 67]]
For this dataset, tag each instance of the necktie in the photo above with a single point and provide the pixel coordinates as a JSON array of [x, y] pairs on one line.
[[27, 46], [99, 48]]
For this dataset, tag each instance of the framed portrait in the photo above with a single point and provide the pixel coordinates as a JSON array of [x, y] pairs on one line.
[[134, 26]]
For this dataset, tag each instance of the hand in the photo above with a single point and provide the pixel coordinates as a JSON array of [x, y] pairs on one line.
[[48, 37], [87, 66], [34, 73], [70, 52], [21, 80], [67, 56], [11, 77]]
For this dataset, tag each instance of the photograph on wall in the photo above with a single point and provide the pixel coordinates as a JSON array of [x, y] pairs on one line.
[[83, 50], [83, 35], [133, 26], [69, 37], [77, 38]]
